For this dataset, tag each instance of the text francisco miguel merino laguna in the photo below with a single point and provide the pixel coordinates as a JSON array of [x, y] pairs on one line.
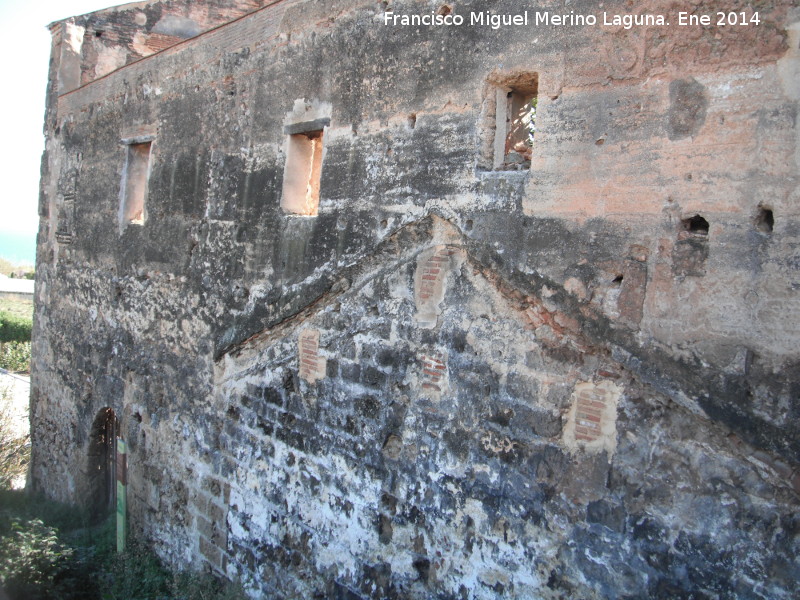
[[545, 18]]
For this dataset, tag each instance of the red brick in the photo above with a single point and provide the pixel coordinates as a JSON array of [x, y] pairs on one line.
[[589, 417]]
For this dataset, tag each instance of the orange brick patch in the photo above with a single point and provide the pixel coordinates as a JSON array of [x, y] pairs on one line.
[[589, 415], [434, 371], [312, 365]]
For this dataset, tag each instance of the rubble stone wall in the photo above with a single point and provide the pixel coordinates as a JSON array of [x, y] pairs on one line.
[[577, 378]]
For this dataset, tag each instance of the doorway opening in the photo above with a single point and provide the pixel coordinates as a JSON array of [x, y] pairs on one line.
[[103, 463]]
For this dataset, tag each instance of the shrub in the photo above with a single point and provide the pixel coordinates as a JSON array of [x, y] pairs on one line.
[[14, 328], [15, 447], [49, 550], [31, 557], [15, 356]]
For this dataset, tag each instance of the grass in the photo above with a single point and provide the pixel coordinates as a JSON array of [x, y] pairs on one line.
[[18, 308], [16, 356], [50, 550]]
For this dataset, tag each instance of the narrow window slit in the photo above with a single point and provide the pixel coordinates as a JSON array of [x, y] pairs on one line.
[[135, 184], [302, 175]]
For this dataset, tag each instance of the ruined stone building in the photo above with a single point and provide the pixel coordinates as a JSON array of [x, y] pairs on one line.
[[390, 310]]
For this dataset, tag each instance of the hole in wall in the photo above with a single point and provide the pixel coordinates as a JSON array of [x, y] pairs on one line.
[[696, 224], [765, 220], [468, 225], [384, 224], [412, 120], [600, 141], [444, 10], [618, 280], [98, 33]]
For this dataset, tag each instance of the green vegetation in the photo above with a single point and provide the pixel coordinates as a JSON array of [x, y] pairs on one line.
[[14, 329], [50, 550], [15, 357], [15, 342], [18, 308]]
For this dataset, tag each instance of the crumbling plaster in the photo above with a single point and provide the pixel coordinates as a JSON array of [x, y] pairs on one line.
[[430, 445]]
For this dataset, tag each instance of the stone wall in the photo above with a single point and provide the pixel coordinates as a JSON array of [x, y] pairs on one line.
[[459, 378]]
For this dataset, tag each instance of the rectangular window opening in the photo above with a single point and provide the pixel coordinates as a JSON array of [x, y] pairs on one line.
[[510, 121], [520, 122], [301, 177], [134, 185]]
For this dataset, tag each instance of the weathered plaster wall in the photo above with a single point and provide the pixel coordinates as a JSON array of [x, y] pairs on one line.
[[101, 42], [451, 382]]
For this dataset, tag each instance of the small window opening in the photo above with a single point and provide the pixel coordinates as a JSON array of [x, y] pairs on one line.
[[618, 280], [696, 224], [412, 120], [302, 174], [765, 221], [520, 125], [510, 131], [134, 184], [98, 33]]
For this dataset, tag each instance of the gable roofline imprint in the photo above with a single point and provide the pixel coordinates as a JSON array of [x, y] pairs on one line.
[[698, 387]]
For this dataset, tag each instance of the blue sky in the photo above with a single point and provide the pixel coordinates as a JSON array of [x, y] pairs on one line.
[[24, 57]]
